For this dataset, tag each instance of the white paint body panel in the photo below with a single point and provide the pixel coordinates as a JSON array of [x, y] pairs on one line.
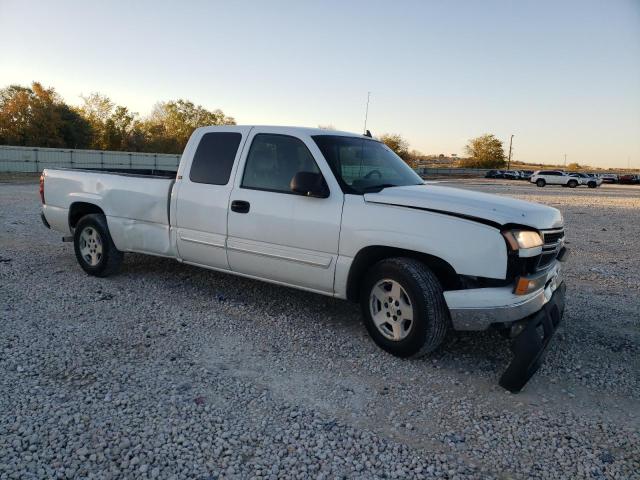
[[136, 207], [199, 211], [285, 237], [494, 208], [471, 248]]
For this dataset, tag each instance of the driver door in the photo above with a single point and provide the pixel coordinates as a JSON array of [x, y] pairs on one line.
[[275, 234]]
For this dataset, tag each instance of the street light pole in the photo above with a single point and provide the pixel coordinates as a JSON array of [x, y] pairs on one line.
[[509, 162]]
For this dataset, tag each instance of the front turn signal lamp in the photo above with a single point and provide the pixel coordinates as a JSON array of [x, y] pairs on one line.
[[525, 285], [528, 243]]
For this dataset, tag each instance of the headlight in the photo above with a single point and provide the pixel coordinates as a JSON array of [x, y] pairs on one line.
[[527, 243]]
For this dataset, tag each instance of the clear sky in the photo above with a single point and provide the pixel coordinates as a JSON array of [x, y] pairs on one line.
[[562, 76]]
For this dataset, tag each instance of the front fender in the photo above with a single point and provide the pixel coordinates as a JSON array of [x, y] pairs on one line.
[[471, 248]]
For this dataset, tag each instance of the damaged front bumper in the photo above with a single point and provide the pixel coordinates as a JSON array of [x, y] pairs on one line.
[[479, 308], [529, 345], [532, 320]]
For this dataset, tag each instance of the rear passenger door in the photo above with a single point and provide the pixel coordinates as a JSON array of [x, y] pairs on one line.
[[203, 185]]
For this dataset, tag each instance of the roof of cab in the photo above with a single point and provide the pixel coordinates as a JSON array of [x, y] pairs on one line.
[[293, 130]]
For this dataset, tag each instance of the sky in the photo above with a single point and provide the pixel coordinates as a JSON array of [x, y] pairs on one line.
[[562, 76]]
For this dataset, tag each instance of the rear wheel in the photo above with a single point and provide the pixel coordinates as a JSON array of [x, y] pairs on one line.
[[95, 251], [540, 182], [572, 183], [404, 308]]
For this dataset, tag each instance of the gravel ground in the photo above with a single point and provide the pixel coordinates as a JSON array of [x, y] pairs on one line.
[[170, 371]]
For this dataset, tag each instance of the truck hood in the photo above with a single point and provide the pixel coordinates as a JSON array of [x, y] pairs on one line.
[[483, 207]]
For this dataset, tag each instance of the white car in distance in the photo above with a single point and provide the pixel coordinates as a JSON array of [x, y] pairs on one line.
[[553, 177], [588, 180]]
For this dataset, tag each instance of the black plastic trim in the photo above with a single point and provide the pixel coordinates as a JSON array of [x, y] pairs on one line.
[[530, 345], [44, 220]]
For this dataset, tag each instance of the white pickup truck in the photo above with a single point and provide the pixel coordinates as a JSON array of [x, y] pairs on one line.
[[334, 213]]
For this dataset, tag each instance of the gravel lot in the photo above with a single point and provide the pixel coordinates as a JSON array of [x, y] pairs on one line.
[[169, 371]]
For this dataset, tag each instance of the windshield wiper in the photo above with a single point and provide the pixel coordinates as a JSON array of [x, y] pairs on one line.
[[377, 188]]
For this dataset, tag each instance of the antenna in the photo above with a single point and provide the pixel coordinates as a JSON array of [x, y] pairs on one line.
[[366, 112]]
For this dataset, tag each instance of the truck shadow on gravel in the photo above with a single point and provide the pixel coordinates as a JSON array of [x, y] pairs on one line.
[[321, 331]]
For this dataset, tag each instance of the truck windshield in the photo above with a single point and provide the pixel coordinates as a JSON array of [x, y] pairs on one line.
[[363, 165]]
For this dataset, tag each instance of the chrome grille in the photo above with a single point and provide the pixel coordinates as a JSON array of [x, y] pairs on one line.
[[552, 237], [553, 242]]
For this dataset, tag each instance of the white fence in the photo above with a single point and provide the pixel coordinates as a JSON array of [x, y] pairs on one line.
[[29, 159]]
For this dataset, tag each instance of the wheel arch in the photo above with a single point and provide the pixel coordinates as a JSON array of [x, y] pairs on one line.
[[369, 256], [77, 210]]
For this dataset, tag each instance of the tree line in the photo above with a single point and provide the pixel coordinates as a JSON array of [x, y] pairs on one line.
[[485, 151], [36, 116]]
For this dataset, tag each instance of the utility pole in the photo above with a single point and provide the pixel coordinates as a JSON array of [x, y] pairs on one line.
[[509, 161], [565, 160], [366, 112]]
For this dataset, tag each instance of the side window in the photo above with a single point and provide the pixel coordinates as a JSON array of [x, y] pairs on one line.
[[273, 160], [214, 158]]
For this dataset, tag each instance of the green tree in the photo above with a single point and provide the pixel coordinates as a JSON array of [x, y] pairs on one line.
[[484, 152], [38, 117], [398, 144], [171, 124], [114, 127]]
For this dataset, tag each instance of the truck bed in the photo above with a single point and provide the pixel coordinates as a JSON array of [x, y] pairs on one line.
[[135, 202]]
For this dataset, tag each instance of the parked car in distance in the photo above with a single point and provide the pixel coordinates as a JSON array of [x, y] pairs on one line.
[[525, 174], [553, 177], [494, 174], [609, 177], [629, 179], [586, 179], [334, 213], [511, 175]]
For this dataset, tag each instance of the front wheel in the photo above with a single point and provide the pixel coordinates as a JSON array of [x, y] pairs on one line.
[[540, 182], [95, 251], [404, 308]]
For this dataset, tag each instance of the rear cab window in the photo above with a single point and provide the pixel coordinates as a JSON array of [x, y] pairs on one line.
[[214, 158]]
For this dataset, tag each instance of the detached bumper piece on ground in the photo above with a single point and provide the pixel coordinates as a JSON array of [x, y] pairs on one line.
[[528, 346]]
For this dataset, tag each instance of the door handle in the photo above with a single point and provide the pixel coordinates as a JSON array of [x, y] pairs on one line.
[[240, 206]]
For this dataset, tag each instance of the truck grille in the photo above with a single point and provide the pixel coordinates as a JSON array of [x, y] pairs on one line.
[[553, 242], [552, 237]]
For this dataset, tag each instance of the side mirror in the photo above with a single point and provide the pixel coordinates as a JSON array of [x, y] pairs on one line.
[[309, 184]]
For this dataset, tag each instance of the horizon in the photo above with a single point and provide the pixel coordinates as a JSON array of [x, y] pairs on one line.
[[562, 78]]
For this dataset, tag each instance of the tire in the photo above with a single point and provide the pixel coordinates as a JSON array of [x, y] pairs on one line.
[[592, 184], [572, 184], [95, 251], [541, 182], [420, 294]]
